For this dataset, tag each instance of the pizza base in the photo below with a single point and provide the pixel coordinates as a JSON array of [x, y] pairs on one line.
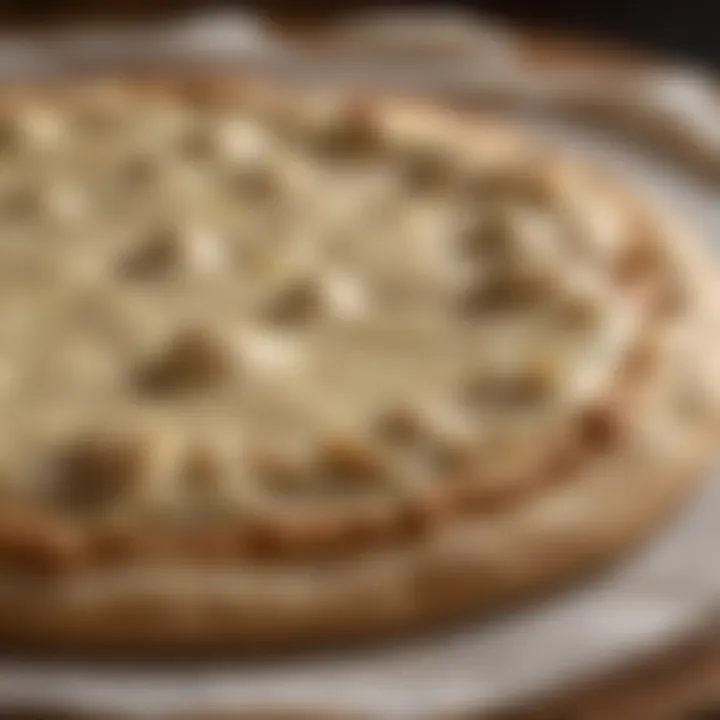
[[474, 564]]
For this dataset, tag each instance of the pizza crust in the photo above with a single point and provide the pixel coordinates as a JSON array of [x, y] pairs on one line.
[[465, 571], [472, 563]]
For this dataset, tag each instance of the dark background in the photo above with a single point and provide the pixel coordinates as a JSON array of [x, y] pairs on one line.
[[690, 28], [687, 29]]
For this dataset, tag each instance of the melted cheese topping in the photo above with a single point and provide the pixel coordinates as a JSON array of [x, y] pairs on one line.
[[202, 296]]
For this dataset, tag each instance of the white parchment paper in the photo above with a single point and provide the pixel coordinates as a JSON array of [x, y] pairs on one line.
[[663, 592]]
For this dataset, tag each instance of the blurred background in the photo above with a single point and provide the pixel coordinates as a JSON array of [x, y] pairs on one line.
[[687, 29]]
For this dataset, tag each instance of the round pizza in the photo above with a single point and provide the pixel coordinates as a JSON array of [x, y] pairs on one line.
[[283, 367]]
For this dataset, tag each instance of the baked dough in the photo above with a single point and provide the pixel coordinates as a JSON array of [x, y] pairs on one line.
[[281, 367]]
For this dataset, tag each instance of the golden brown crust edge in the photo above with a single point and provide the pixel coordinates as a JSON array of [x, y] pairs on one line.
[[492, 565]]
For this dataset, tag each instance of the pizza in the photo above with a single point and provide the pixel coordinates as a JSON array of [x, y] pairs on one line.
[[283, 367]]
